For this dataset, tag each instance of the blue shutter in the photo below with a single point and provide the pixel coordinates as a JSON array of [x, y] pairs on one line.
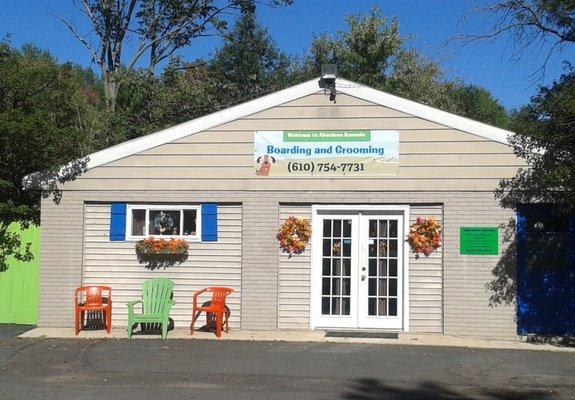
[[118, 222], [209, 222]]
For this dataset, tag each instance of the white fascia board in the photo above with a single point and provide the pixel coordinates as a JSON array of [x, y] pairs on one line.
[[201, 124], [197, 125], [422, 111]]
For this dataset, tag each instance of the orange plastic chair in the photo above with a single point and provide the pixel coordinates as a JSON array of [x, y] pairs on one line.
[[216, 306], [92, 298]]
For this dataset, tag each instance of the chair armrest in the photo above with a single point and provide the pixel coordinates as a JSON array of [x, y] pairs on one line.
[[131, 305], [196, 294]]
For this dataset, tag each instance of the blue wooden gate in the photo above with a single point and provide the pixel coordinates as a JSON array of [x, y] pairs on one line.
[[545, 271]]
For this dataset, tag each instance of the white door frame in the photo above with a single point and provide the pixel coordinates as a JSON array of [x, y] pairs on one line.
[[315, 306]]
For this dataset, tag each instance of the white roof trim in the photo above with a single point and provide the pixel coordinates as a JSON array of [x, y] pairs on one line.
[[422, 111], [201, 124], [283, 96]]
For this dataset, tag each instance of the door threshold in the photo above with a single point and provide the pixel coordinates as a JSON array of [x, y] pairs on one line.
[[362, 334]]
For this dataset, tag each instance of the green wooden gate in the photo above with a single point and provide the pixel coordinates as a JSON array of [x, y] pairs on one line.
[[19, 284]]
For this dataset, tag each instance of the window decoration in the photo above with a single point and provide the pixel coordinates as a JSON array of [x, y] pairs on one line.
[[163, 221], [424, 236], [152, 246], [294, 235]]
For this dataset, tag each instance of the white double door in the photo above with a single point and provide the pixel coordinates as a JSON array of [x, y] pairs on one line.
[[358, 269]]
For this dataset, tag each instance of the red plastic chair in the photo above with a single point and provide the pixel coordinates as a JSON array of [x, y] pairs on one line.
[[216, 306], [92, 298]]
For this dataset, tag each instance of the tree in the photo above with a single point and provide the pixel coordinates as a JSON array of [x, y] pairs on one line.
[[363, 52], [37, 133], [248, 64], [545, 139], [158, 27], [531, 24], [371, 51]]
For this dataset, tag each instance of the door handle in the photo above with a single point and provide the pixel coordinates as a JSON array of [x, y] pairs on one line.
[[363, 277]]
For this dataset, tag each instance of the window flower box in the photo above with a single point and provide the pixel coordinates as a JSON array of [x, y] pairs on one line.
[[151, 247]]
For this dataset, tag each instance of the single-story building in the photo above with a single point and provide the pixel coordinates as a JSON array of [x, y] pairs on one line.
[[361, 165]]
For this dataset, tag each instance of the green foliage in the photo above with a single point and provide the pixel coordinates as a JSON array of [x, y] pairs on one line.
[[546, 140], [38, 132], [371, 51], [248, 64]]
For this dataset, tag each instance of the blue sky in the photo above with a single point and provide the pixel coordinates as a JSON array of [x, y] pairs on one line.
[[430, 22]]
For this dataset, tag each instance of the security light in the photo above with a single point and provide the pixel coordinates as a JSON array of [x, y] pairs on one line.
[[328, 76]]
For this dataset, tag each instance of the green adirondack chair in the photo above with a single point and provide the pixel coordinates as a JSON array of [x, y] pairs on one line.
[[156, 304]]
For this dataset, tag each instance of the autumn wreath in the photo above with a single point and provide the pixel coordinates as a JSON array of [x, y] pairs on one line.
[[424, 236], [294, 234]]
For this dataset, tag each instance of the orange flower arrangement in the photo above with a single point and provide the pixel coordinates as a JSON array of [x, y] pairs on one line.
[[294, 234], [151, 245], [424, 236]]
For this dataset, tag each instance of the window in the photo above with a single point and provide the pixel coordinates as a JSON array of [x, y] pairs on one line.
[[163, 221]]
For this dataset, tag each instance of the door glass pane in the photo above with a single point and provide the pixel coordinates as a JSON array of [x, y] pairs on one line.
[[346, 286], [335, 284], [393, 287], [347, 228], [382, 228], [326, 247], [383, 267], [326, 266], [382, 287], [326, 228], [372, 306], [372, 267], [346, 271], [392, 267], [336, 263], [393, 307], [393, 228], [382, 262], [382, 307], [336, 270], [372, 228], [347, 247], [372, 286], [337, 228]]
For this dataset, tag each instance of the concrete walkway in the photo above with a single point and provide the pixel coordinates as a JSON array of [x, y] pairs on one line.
[[303, 336]]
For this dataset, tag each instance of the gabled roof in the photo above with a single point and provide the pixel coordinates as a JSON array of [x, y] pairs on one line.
[[283, 96]]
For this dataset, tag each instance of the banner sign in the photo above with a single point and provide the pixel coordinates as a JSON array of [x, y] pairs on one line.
[[479, 241], [326, 153]]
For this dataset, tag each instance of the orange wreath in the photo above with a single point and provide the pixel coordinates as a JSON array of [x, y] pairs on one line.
[[424, 236], [294, 235]]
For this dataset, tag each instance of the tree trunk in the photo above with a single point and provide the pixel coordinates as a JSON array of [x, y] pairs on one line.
[[111, 88]]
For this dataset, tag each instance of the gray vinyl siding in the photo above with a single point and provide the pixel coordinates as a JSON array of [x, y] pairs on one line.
[[294, 279], [443, 172], [467, 308], [209, 264], [425, 280], [432, 156]]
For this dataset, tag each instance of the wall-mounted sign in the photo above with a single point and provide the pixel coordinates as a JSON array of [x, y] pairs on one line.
[[326, 153], [478, 240]]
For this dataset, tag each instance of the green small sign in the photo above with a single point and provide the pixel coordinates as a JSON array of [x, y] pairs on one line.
[[328, 136], [483, 241]]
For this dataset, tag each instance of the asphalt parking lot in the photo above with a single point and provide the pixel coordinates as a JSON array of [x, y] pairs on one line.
[[210, 369]]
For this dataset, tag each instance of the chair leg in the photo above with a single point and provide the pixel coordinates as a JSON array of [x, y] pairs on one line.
[[219, 315], [76, 322], [165, 329], [193, 322], [108, 315]]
